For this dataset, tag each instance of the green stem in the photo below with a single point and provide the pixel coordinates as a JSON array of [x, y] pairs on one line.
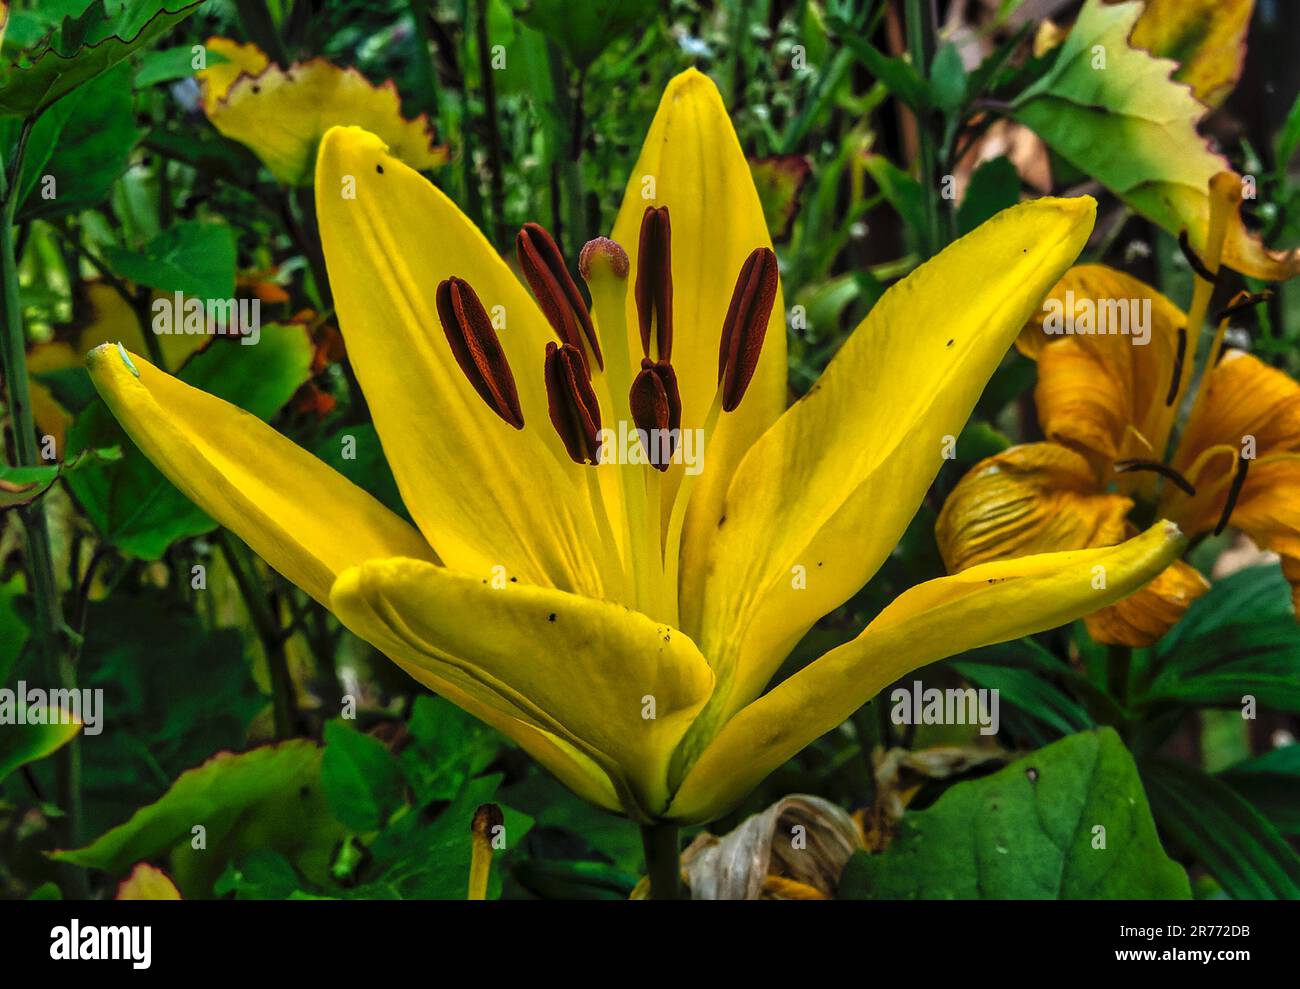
[[568, 117], [284, 706], [259, 26], [51, 632], [663, 860], [491, 121], [920, 44]]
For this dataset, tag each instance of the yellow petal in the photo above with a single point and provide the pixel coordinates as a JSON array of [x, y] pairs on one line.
[[110, 319], [241, 59], [987, 604], [52, 419], [831, 486], [1206, 37], [692, 163], [281, 116], [1142, 618], [1269, 512], [608, 680], [302, 517], [484, 494], [1035, 498], [1102, 394]]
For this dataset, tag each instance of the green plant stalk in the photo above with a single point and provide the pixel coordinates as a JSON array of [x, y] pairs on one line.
[[52, 633], [487, 80], [284, 708], [920, 44], [568, 147], [663, 860]]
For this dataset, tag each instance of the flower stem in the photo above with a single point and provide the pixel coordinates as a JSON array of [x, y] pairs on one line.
[[51, 633], [663, 860], [920, 44]]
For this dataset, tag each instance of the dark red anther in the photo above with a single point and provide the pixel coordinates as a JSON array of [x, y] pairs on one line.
[[656, 405], [556, 292], [575, 414], [654, 282], [746, 325], [476, 348]]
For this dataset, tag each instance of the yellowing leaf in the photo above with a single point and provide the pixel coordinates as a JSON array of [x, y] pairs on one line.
[[240, 60], [1207, 38], [147, 882], [1113, 111], [282, 114]]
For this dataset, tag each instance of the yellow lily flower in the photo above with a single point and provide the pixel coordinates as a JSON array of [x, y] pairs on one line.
[[620, 620], [1107, 403]]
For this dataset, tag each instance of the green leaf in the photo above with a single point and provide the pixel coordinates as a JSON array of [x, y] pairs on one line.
[[900, 190], [897, 74], [94, 133], [1271, 782], [1029, 832], [356, 452], [994, 186], [267, 798], [780, 180], [130, 503], [1213, 823], [416, 859], [360, 777], [21, 743], [83, 48], [1238, 639], [448, 747], [586, 29], [195, 258], [1030, 693], [1288, 138], [948, 78], [21, 485], [171, 64]]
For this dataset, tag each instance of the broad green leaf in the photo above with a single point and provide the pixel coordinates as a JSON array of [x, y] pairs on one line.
[[130, 503], [900, 190], [948, 78], [195, 258], [1112, 111], [1030, 831], [28, 741], [447, 748], [417, 859], [1272, 783], [360, 777], [994, 186], [85, 47], [171, 64], [585, 30], [267, 798], [94, 132], [21, 485], [1210, 821]]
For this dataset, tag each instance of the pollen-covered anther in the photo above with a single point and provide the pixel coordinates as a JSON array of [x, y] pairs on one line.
[[656, 405], [746, 325], [654, 283], [476, 348], [575, 414], [556, 291]]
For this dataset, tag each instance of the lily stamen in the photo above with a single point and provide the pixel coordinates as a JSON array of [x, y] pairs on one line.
[[654, 283], [656, 405], [1179, 355], [575, 413], [1194, 260], [745, 325], [1240, 303], [1155, 466], [476, 348], [1238, 479], [561, 302]]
